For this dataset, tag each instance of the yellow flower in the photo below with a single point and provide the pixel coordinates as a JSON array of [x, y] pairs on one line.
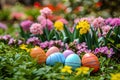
[[83, 31], [24, 47], [84, 27], [115, 76], [58, 25], [67, 69], [83, 70]]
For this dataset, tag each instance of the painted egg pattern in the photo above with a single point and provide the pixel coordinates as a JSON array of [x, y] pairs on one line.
[[54, 58], [90, 60], [73, 60], [38, 54], [52, 50], [67, 53]]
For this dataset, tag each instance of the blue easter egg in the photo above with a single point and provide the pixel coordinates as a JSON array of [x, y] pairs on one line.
[[73, 60], [56, 57]]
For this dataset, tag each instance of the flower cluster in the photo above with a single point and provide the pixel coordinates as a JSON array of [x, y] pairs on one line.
[[45, 12], [114, 22], [98, 22], [26, 25], [84, 27], [104, 50], [58, 25], [82, 70], [33, 40], [78, 47], [10, 40], [36, 28], [67, 69]]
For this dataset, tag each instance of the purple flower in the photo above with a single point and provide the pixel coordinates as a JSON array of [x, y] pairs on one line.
[[19, 42], [104, 50], [51, 43], [3, 26], [47, 23], [11, 41], [44, 45], [6, 37], [108, 21], [109, 53], [97, 50], [115, 22], [26, 25], [33, 40]]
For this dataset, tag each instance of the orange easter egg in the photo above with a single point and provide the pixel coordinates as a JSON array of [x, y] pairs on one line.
[[38, 54], [90, 60], [52, 50]]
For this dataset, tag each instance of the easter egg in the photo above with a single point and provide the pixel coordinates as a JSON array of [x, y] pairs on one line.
[[67, 53], [73, 60], [56, 57], [52, 50], [90, 60], [39, 54]]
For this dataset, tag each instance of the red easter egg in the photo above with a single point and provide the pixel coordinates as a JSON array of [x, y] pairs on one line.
[[52, 50], [90, 60], [38, 54]]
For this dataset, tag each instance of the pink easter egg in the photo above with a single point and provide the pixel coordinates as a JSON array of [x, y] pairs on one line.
[[52, 50]]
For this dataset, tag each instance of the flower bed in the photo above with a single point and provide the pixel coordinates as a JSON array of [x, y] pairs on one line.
[[39, 53]]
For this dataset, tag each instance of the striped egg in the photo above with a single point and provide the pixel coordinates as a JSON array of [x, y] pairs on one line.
[[90, 60], [52, 50], [54, 58], [73, 60]]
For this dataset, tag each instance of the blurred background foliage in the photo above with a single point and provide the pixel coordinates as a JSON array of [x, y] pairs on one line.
[[69, 9]]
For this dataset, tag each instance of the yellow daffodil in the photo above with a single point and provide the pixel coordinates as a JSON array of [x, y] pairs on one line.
[[58, 25], [81, 70], [67, 69], [115, 76], [84, 27], [83, 31]]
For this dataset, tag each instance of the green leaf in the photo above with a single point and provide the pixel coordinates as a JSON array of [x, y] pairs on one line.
[[51, 34], [46, 33], [75, 33], [67, 32]]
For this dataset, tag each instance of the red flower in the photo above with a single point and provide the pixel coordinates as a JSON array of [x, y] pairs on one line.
[[98, 4], [37, 5]]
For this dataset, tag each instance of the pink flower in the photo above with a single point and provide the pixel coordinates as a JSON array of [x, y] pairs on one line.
[[47, 23], [26, 25], [98, 22], [18, 15], [40, 18], [89, 19], [63, 20], [77, 20], [36, 28], [105, 30], [46, 12]]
